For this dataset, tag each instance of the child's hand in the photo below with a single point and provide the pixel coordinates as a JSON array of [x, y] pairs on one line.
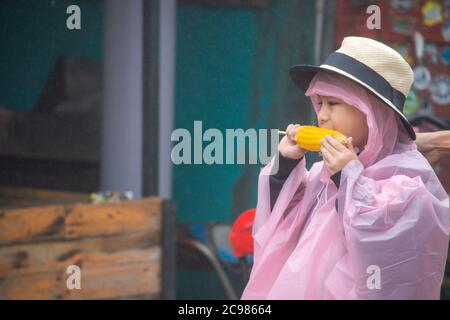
[[335, 154], [288, 145]]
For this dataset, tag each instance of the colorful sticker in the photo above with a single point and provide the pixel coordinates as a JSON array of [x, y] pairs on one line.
[[432, 13], [445, 55], [440, 90], [446, 31], [446, 9], [401, 5], [431, 53], [403, 25], [403, 49], [437, 169], [411, 103], [422, 78]]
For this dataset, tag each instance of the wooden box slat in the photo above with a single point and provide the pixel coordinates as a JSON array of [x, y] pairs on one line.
[[119, 248], [76, 221], [111, 282]]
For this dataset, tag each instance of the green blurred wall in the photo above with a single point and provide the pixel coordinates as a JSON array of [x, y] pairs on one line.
[[232, 72], [33, 34]]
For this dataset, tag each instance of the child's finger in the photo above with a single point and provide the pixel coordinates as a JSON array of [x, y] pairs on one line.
[[326, 145], [293, 132], [350, 145], [288, 135], [326, 155], [289, 131], [295, 129], [335, 143]]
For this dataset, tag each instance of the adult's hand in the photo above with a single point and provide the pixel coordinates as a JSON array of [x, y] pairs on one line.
[[433, 145]]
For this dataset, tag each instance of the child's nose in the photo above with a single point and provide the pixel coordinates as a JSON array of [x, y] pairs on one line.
[[323, 115]]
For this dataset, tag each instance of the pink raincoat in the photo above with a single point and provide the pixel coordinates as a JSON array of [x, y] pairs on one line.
[[387, 240]]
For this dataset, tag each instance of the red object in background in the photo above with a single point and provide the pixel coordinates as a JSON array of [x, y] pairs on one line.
[[241, 238]]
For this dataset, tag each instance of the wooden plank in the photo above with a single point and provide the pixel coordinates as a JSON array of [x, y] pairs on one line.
[[26, 225], [48, 257], [114, 282], [77, 221]]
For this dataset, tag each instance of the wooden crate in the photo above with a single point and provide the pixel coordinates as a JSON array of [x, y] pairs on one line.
[[124, 250]]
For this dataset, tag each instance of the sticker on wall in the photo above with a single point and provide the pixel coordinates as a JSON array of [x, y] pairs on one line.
[[422, 78], [401, 5], [411, 103], [437, 168], [445, 56], [403, 49], [403, 25], [431, 53], [432, 13], [446, 31], [440, 90], [446, 9]]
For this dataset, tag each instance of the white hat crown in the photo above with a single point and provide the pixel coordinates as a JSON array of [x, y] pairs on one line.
[[382, 59]]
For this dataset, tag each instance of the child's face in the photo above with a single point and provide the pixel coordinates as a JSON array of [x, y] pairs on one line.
[[337, 115]]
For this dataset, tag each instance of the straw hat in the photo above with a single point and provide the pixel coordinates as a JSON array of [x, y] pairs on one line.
[[377, 67]]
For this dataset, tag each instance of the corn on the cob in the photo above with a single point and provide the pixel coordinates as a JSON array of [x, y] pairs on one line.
[[308, 137]]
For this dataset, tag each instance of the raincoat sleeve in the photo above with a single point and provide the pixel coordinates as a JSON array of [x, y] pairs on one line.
[[286, 165], [268, 216], [396, 230]]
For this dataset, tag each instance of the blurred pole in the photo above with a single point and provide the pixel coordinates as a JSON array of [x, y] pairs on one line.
[[320, 4], [151, 97], [121, 156], [328, 30], [245, 269], [158, 97], [167, 93]]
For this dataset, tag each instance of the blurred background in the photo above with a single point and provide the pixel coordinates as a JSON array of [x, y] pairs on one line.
[[90, 92]]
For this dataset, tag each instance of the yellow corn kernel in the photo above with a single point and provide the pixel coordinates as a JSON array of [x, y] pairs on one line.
[[308, 137]]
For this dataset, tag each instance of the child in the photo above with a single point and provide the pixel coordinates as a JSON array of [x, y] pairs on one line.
[[372, 224]]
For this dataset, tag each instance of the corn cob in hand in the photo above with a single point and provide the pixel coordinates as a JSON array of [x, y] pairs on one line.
[[308, 137]]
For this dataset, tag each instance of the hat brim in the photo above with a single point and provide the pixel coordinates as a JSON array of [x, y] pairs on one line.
[[302, 75]]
